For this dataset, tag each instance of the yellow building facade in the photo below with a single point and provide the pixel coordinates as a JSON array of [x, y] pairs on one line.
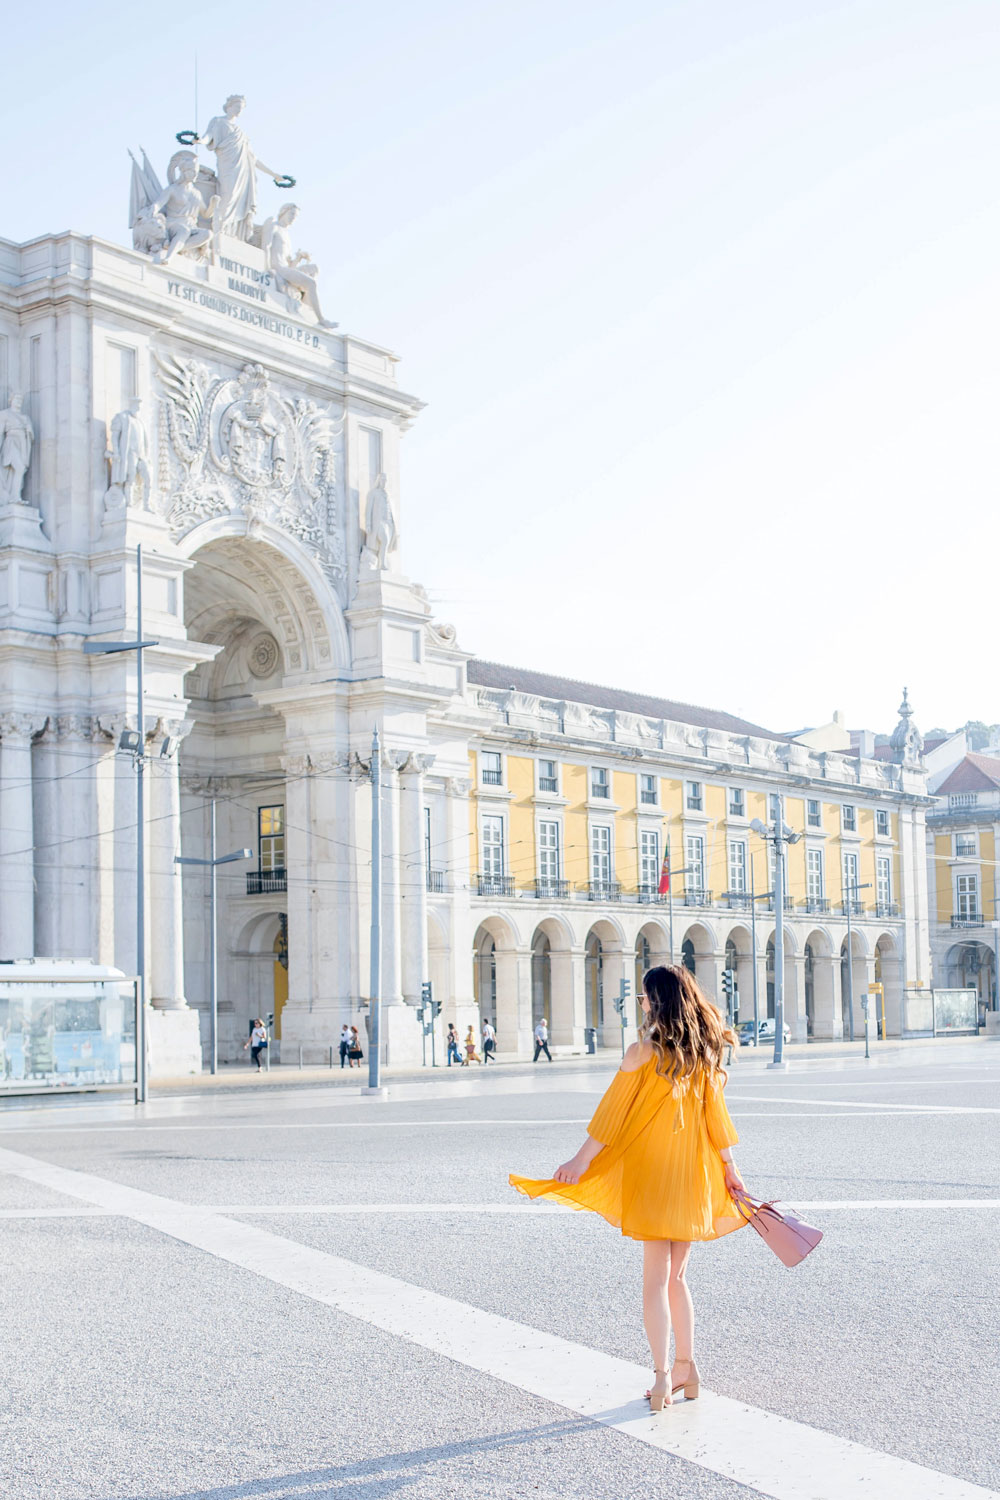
[[577, 795]]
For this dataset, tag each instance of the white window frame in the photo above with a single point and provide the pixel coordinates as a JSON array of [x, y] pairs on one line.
[[967, 886], [551, 791], [814, 820], [850, 875], [602, 845], [649, 858], [605, 794], [694, 862], [496, 770], [736, 802], [883, 823], [883, 880], [848, 824], [972, 853], [549, 850], [694, 796], [737, 867], [645, 800], [493, 851], [815, 875]]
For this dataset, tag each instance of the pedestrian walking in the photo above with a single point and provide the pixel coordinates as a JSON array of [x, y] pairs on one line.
[[257, 1042], [355, 1056], [454, 1053], [471, 1055], [658, 1162], [345, 1043], [542, 1040], [489, 1042]]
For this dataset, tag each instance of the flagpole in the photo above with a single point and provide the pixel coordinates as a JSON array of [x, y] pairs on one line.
[[670, 904]]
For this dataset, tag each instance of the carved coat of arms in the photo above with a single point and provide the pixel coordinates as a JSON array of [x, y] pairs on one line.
[[235, 445]]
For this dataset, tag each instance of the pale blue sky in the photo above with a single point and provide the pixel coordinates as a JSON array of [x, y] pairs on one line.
[[703, 299]]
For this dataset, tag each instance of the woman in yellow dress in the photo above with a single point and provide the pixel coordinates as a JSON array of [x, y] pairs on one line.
[[657, 1162]]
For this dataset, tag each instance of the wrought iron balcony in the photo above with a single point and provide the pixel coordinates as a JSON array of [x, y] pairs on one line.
[[436, 882], [548, 889], [604, 890], [266, 882], [887, 909], [737, 900], [495, 885], [818, 905], [649, 894], [857, 908], [697, 896], [492, 778], [967, 919], [787, 904]]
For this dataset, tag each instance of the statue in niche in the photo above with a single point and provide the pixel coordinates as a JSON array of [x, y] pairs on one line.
[[236, 169], [16, 437], [294, 274], [183, 208], [380, 527], [129, 455]]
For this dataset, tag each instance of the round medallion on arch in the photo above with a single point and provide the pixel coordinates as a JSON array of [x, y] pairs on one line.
[[263, 655]]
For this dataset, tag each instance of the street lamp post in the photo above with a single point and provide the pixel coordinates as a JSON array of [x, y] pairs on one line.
[[781, 836], [135, 745], [375, 986], [851, 888], [213, 863]]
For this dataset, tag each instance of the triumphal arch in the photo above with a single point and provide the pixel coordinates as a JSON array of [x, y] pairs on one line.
[[190, 394]]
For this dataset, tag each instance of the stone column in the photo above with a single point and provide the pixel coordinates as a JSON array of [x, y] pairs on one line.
[[456, 866], [613, 970], [413, 881], [76, 919], [392, 992], [17, 836], [827, 1021], [568, 1017], [795, 996], [165, 926]]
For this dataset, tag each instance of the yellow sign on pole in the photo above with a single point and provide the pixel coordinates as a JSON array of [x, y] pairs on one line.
[[877, 990]]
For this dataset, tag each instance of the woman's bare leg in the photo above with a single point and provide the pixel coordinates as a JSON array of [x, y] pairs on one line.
[[679, 1301], [655, 1307]]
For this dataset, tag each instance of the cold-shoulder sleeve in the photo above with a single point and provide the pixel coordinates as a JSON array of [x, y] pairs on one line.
[[721, 1130], [613, 1110]]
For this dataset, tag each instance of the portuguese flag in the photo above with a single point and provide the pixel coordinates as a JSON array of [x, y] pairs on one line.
[[664, 885]]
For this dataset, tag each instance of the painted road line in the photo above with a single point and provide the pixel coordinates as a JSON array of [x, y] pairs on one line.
[[139, 1127], [770, 1454], [916, 1109], [523, 1210]]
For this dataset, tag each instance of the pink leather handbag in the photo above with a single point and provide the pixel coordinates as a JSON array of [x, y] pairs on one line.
[[790, 1237]]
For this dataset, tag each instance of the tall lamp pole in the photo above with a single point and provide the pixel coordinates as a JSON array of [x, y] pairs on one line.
[[213, 863], [375, 986], [779, 837], [134, 743]]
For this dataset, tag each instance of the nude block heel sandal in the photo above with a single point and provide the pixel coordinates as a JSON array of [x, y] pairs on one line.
[[691, 1384], [659, 1399]]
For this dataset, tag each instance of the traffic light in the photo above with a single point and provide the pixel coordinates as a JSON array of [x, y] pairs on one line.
[[436, 1008], [624, 990], [729, 986]]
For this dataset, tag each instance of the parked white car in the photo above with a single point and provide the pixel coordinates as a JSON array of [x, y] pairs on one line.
[[765, 1032]]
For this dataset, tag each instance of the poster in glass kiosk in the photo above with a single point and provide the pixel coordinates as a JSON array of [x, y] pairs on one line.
[[65, 1024]]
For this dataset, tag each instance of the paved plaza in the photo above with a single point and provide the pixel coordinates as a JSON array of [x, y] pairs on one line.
[[302, 1292]]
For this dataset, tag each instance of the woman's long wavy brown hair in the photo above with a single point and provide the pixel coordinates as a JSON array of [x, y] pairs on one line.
[[684, 1028]]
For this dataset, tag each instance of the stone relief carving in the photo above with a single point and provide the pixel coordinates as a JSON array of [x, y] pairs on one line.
[[381, 535], [21, 727], [263, 655], [16, 438], [234, 445], [128, 454], [458, 786], [440, 634]]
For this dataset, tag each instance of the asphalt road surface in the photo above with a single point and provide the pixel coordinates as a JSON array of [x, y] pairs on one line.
[[306, 1293]]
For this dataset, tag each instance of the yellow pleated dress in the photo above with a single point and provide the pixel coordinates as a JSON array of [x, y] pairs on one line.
[[660, 1175]]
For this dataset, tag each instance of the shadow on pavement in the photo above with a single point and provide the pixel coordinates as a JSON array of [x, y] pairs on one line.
[[381, 1476]]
